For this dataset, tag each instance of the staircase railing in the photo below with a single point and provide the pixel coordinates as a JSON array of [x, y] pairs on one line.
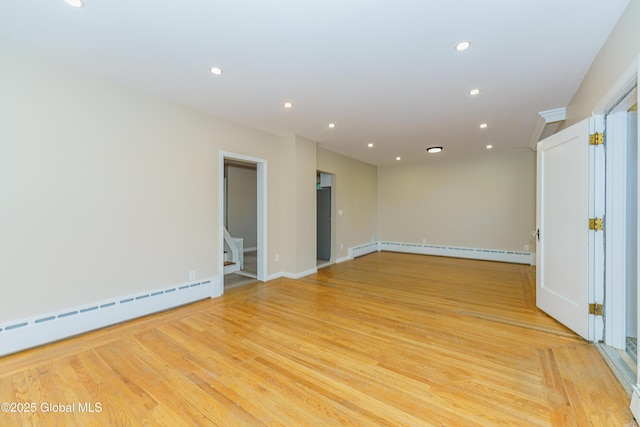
[[235, 246]]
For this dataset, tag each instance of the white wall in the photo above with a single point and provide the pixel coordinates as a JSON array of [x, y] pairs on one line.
[[356, 195], [619, 51], [105, 191], [298, 239], [484, 202], [305, 190]]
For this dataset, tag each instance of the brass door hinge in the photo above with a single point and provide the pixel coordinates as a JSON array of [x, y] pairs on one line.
[[596, 224], [596, 139], [595, 309]]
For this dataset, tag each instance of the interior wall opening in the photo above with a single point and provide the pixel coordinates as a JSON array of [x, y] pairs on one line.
[[325, 229], [621, 236], [242, 221]]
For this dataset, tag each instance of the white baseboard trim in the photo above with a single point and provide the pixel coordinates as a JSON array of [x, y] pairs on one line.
[[635, 402], [449, 251], [292, 275], [301, 274], [414, 248], [27, 333], [459, 252], [275, 276]]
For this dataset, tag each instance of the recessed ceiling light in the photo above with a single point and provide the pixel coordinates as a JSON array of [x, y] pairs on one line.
[[463, 46], [489, 147], [332, 125], [74, 3], [434, 150], [474, 91], [370, 145], [483, 126], [287, 105], [398, 158], [216, 71]]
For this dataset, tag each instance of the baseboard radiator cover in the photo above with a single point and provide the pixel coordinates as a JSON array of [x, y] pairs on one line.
[[32, 332], [448, 251], [459, 252], [364, 249]]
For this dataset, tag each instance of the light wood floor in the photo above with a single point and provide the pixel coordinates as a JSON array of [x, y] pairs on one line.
[[386, 339]]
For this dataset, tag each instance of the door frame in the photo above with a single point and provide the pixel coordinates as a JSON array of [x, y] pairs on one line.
[[334, 203], [597, 205], [261, 178], [618, 91], [616, 223]]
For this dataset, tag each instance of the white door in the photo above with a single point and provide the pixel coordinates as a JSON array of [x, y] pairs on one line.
[[562, 255]]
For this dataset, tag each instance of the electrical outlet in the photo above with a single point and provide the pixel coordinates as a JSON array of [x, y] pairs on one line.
[[341, 246], [192, 275], [424, 241], [526, 247], [277, 257]]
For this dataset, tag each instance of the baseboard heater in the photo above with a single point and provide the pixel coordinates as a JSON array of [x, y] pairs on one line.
[[449, 251], [27, 333]]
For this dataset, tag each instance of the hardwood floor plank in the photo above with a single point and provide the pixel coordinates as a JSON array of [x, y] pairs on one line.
[[386, 339]]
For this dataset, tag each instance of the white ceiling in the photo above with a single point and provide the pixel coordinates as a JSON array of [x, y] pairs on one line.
[[384, 71]]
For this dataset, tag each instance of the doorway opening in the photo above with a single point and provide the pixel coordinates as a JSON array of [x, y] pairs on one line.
[[621, 234], [325, 230], [242, 220]]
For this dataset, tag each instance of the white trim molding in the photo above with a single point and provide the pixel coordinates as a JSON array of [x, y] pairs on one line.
[[625, 83], [23, 334], [547, 124], [262, 231], [635, 402], [292, 275], [346, 258], [555, 115], [301, 274], [460, 252], [448, 251]]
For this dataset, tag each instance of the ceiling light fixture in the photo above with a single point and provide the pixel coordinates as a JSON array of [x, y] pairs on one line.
[[216, 71], [332, 125], [370, 145], [474, 92], [434, 150], [287, 105], [489, 147], [463, 46], [398, 158], [74, 3], [483, 126]]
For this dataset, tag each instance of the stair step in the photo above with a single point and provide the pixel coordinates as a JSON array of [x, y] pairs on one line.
[[229, 263]]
